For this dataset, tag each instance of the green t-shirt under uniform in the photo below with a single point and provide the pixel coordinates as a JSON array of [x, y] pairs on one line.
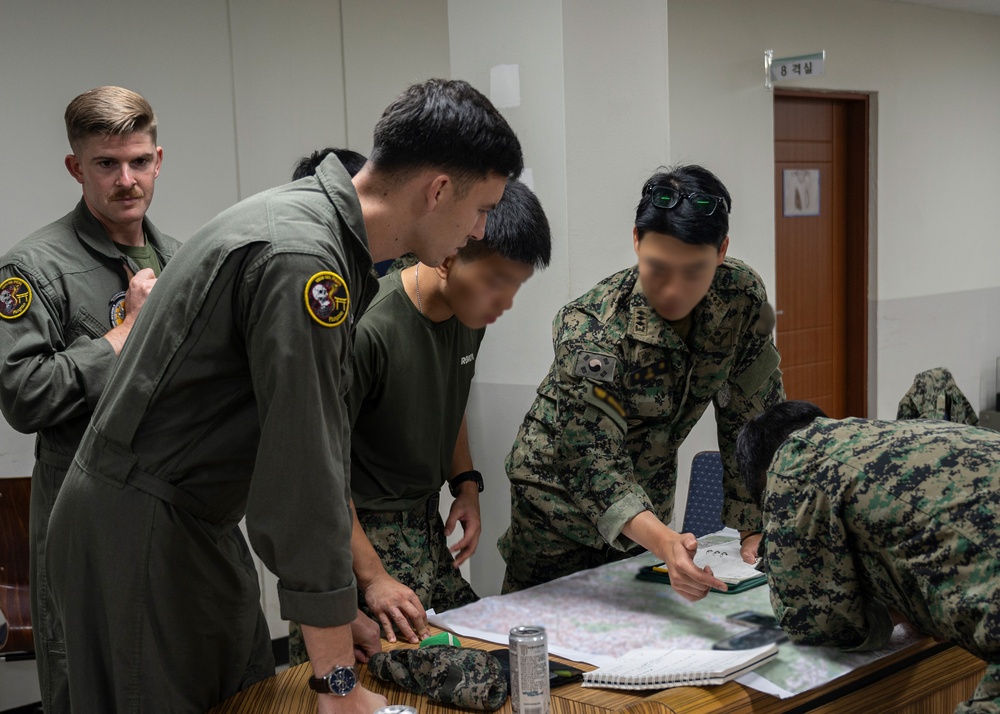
[[142, 255], [411, 384]]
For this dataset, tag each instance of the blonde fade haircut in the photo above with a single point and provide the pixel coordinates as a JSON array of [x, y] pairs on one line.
[[108, 111]]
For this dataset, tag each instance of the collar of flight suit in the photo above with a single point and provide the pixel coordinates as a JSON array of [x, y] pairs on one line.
[[92, 233], [335, 180]]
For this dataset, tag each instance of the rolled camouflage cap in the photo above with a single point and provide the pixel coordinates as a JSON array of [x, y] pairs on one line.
[[464, 677]]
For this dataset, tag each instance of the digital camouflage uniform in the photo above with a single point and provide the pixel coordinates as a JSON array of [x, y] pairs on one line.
[[935, 395], [467, 678], [414, 550], [599, 444], [65, 286], [861, 516]]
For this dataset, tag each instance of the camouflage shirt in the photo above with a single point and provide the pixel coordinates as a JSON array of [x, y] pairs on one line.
[[861, 516], [599, 444]]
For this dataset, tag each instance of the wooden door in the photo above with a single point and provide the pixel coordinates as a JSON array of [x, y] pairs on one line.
[[820, 153]]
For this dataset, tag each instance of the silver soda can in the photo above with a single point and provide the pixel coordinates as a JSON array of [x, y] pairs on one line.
[[529, 670], [396, 709]]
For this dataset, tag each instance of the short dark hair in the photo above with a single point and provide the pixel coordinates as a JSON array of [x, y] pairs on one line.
[[352, 161], [761, 437], [447, 124], [516, 229], [682, 221]]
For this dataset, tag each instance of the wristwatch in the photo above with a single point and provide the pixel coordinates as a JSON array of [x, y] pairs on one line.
[[462, 478], [340, 681]]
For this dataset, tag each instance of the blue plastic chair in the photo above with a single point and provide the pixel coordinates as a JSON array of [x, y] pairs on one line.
[[703, 512]]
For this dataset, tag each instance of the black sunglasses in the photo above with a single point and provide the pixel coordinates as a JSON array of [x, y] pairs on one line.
[[668, 197]]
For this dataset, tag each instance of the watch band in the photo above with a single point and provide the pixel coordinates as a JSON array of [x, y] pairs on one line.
[[339, 681], [457, 481]]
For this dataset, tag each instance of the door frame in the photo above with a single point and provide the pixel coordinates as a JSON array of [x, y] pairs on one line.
[[860, 363]]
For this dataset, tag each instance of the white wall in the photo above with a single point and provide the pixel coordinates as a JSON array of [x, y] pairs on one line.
[[938, 95], [593, 123]]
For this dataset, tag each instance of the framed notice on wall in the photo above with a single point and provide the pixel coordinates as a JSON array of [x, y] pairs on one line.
[[801, 190]]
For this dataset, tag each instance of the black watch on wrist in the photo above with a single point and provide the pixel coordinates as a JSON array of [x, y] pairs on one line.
[[462, 478], [340, 681]]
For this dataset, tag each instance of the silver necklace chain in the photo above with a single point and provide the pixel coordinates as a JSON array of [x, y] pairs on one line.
[[416, 281]]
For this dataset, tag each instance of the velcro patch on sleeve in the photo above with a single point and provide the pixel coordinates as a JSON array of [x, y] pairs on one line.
[[606, 402], [327, 299], [15, 298], [754, 376], [595, 365]]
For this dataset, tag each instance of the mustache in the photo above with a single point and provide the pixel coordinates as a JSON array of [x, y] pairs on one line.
[[133, 192]]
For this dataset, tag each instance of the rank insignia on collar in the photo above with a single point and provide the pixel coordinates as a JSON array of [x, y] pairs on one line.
[[595, 366], [15, 298], [327, 298], [116, 309], [640, 320]]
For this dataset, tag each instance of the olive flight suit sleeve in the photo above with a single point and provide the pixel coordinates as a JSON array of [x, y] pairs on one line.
[[593, 464], [815, 591], [297, 511], [48, 374], [753, 386]]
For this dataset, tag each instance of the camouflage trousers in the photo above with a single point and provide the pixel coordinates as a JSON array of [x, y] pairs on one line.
[[414, 550], [986, 698], [535, 552]]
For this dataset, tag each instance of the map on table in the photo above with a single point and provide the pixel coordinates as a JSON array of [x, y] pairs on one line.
[[597, 615]]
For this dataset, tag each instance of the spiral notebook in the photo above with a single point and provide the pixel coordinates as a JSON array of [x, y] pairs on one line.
[[662, 669]]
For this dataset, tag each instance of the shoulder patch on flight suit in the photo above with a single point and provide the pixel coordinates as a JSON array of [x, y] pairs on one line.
[[596, 366], [116, 309], [15, 298], [327, 298], [606, 402]]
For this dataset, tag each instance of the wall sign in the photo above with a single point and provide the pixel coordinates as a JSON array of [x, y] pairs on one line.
[[786, 68]]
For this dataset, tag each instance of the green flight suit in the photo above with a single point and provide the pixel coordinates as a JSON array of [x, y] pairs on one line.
[[67, 285], [861, 516], [599, 444], [228, 400]]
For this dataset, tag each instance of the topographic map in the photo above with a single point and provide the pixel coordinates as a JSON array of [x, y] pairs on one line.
[[597, 615]]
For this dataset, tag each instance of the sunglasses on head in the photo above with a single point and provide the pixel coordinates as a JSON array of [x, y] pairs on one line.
[[668, 197]]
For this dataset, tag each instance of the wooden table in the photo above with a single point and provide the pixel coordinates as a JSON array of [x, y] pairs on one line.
[[925, 678]]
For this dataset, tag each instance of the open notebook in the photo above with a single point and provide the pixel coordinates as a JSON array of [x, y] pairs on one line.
[[661, 669]]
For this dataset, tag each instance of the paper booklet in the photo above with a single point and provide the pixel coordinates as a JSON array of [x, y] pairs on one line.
[[722, 553], [661, 669]]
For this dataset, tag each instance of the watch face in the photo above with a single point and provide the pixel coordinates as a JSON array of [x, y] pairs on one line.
[[342, 680]]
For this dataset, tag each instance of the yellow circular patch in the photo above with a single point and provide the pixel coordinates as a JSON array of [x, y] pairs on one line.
[[116, 309], [327, 298], [15, 297]]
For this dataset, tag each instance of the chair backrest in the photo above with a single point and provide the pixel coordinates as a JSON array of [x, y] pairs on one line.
[[703, 513], [15, 495]]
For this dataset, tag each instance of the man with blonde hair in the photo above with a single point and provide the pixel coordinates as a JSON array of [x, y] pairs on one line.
[[74, 290]]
